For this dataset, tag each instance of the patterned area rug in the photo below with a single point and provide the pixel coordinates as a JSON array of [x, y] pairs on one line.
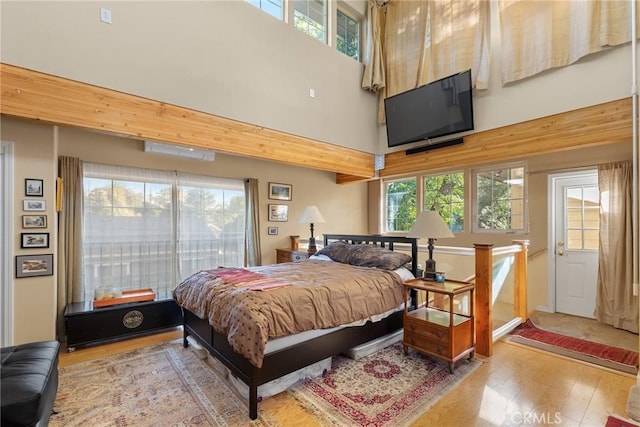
[[386, 388], [600, 354], [164, 385], [614, 421]]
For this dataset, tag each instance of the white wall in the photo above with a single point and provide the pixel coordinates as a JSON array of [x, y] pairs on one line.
[[34, 298], [222, 57]]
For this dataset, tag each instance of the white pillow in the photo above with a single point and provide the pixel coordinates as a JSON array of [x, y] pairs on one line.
[[404, 273], [320, 257]]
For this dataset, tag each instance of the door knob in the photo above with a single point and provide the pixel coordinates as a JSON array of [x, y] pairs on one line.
[[561, 253], [560, 243]]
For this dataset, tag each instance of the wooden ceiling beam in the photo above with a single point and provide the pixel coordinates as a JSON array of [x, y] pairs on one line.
[[33, 95], [601, 124]]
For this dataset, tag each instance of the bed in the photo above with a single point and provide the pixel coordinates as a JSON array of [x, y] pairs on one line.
[[314, 347]]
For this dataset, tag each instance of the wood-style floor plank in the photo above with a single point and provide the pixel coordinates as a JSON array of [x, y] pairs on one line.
[[516, 386]]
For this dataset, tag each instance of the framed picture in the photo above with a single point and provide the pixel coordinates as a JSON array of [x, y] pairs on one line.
[[272, 231], [34, 265], [278, 212], [279, 191], [34, 240], [34, 221], [33, 187], [34, 205]]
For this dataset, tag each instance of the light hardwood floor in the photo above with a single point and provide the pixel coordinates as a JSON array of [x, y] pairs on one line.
[[516, 386]]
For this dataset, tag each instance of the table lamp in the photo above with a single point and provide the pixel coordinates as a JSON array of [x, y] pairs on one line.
[[311, 215], [429, 225]]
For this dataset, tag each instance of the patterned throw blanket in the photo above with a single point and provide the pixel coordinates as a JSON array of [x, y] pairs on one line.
[[301, 296], [243, 278]]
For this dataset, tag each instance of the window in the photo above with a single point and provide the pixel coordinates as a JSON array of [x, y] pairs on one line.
[[310, 17], [348, 35], [150, 229], [272, 7], [445, 194], [583, 217], [500, 199], [400, 204]]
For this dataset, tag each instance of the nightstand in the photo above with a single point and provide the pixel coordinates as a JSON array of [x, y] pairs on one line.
[[288, 255], [438, 328]]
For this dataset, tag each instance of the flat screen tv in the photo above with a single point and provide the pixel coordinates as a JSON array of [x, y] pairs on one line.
[[442, 107]]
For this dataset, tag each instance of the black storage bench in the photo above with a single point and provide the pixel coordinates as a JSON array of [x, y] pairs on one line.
[[29, 383]]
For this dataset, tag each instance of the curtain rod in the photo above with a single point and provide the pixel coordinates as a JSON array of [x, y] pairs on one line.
[[577, 168]]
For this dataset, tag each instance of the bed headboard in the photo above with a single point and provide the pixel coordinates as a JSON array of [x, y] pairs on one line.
[[387, 242]]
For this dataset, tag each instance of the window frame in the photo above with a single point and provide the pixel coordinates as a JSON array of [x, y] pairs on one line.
[[327, 17], [350, 13], [420, 198], [182, 221], [474, 199], [384, 215], [331, 24], [283, 8], [423, 179]]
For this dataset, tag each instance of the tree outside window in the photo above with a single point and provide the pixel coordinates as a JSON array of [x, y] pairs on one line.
[[500, 199], [445, 194]]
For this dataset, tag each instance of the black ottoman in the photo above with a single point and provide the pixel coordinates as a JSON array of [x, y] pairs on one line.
[[29, 383]]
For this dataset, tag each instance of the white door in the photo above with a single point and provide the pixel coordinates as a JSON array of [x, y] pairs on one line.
[[576, 235]]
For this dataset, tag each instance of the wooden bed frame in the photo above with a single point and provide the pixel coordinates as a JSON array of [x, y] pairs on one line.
[[290, 359]]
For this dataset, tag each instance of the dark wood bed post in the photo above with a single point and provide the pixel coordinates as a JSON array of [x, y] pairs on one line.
[[185, 333]]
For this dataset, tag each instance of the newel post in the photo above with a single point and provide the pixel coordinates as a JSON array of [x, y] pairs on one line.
[[484, 298], [520, 280]]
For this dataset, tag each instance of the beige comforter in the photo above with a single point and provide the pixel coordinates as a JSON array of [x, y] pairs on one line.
[[320, 295]]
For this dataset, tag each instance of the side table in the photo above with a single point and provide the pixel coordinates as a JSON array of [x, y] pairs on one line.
[[437, 328]]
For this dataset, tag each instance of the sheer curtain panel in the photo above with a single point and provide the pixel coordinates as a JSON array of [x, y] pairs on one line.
[[253, 251], [373, 78], [615, 303], [539, 35], [69, 286], [149, 228]]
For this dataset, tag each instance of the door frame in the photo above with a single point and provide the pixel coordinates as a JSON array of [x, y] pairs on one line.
[[552, 178], [6, 243]]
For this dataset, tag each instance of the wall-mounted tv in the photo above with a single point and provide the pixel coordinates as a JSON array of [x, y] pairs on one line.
[[442, 107]]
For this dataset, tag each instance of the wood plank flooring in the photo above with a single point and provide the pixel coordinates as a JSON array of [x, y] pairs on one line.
[[516, 386]]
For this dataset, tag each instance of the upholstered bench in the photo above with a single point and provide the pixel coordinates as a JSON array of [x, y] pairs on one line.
[[28, 383]]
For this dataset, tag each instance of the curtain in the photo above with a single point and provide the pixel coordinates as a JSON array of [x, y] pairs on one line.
[[373, 78], [69, 286], [539, 35], [457, 40], [253, 251], [615, 303], [425, 40]]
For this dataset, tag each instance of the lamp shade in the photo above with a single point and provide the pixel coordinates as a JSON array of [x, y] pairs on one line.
[[311, 215], [429, 225]]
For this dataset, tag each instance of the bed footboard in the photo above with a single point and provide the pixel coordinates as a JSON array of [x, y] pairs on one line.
[[287, 360]]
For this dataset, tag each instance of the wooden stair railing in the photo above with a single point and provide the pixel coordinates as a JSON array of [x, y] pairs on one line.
[[484, 292], [484, 299], [520, 291]]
